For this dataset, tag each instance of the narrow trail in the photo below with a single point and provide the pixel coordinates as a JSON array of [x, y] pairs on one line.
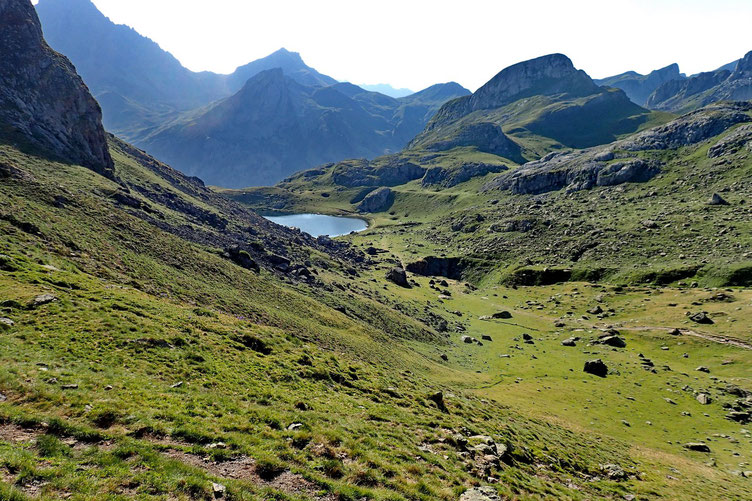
[[702, 335]]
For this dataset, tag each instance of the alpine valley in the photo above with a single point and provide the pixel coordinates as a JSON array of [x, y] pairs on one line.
[[551, 300]]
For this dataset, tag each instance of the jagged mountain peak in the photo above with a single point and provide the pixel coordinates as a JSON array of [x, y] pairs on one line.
[[43, 101], [743, 67]]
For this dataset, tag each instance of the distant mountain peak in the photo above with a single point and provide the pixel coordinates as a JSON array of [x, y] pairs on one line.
[[743, 67]]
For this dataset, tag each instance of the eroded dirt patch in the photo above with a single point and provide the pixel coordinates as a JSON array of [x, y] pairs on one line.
[[244, 468]]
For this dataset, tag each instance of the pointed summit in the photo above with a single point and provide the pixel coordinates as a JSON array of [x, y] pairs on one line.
[[289, 62]]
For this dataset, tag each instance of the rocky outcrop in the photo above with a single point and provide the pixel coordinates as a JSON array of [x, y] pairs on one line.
[[386, 171], [737, 140], [576, 171], [486, 137], [378, 200], [619, 162], [691, 128], [43, 101], [449, 267], [449, 177]]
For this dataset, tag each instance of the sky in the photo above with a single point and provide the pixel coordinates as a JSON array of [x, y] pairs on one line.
[[416, 43]]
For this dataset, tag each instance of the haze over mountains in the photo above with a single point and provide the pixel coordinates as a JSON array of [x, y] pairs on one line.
[[257, 126], [150, 99]]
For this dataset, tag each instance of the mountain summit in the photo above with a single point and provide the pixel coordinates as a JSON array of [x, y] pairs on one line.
[[546, 75], [531, 108], [43, 101]]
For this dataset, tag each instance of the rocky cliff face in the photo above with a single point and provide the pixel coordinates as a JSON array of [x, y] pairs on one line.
[[43, 102]]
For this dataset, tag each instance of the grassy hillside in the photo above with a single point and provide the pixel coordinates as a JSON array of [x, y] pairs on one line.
[[158, 367]]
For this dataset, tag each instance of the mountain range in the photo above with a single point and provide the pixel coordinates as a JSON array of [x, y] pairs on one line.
[[192, 120], [523, 318], [669, 90]]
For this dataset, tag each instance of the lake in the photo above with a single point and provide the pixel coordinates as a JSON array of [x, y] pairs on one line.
[[319, 224]]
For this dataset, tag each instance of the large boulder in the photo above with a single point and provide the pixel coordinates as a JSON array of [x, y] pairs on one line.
[[596, 367], [398, 276], [377, 201], [43, 101]]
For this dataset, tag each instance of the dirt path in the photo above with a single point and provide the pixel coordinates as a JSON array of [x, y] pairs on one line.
[[688, 332]]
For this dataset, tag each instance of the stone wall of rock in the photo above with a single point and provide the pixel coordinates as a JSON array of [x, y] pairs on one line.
[[43, 101]]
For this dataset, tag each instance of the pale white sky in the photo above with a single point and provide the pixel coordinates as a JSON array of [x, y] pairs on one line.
[[415, 43]]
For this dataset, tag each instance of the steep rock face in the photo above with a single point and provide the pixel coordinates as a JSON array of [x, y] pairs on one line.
[[547, 75], [639, 87], [42, 99], [619, 163]]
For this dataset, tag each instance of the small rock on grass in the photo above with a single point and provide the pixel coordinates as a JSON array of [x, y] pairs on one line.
[[6, 323], [41, 300], [480, 494], [218, 490]]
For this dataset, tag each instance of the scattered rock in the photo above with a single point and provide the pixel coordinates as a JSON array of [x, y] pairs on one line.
[[3, 398], [6, 323], [295, 426], [596, 367], [614, 472], [177, 385], [716, 199], [502, 315], [486, 337], [480, 494], [704, 398], [569, 342], [70, 387], [702, 368], [444, 357], [701, 318], [438, 399], [675, 332], [41, 300], [597, 310], [218, 490], [467, 339], [614, 341], [697, 447]]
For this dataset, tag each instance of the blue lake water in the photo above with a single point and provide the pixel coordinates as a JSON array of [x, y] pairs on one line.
[[319, 224]]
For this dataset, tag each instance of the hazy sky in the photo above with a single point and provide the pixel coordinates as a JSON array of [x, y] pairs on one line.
[[415, 43]]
